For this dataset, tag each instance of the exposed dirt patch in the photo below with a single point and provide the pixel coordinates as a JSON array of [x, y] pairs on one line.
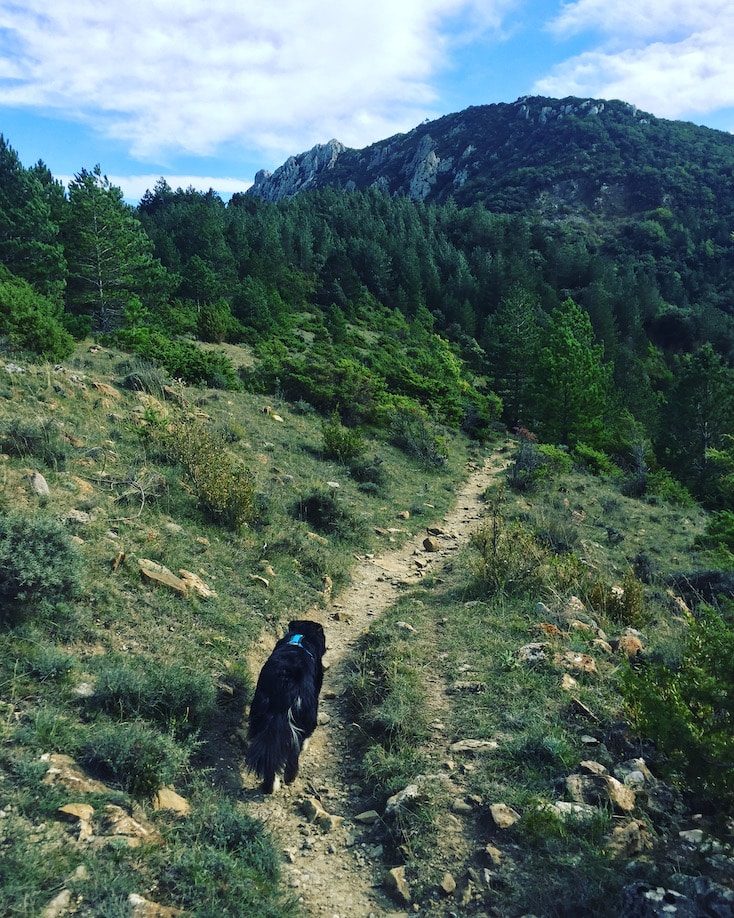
[[338, 872]]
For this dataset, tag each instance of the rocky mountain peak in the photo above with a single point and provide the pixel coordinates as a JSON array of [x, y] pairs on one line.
[[297, 173]]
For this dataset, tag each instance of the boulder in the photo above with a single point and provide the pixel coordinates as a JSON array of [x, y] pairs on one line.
[[367, 818], [447, 884], [411, 792], [431, 544], [59, 905]]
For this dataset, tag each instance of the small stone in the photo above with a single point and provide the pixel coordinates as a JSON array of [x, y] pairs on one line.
[[568, 683], [692, 836], [144, 908], [396, 884], [160, 576], [39, 485], [368, 817], [78, 517], [263, 581], [579, 811], [334, 485], [406, 626], [494, 855], [503, 815], [435, 531], [461, 807], [447, 884], [602, 645], [196, 585], [431, 544], [83, 690], [323, 718], [404, 515], [58, 905], [315, 813], [168, 799], [118, 560], [532, 653], [411, 792], [576, 662], [630, 645], [549, 629], [593, 768], [474, 746]]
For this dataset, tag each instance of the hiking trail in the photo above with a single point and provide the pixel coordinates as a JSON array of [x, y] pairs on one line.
[[332, 873]]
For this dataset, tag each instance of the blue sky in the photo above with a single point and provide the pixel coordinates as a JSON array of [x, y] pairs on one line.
[[206, 92]]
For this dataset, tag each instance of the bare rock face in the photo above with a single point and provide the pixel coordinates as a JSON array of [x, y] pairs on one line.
[[297, 173]]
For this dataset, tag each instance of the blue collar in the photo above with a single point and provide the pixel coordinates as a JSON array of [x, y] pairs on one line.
[[297, 641]]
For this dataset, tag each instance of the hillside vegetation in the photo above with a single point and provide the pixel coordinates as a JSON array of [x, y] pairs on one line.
[[208, 410]]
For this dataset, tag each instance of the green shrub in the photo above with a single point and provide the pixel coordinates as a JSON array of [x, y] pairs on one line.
[[341, 443], [40, 439], [37, 561], [534, 464], [719, 532], [181, 358], [140, 759], [31, 321], [662, 484], [325, 513], [216, 323], [224, 486], [594, 460], [687, 708], [176, 699], [411, 432]]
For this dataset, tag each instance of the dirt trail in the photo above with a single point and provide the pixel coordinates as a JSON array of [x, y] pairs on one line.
[[338, 873]]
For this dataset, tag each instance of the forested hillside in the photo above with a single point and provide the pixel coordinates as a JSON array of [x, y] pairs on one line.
[[365, 303]]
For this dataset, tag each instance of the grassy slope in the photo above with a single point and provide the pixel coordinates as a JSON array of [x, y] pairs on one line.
[[214, 861], [468, 631]]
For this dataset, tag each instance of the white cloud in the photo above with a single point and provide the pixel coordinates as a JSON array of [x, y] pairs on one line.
[[671, 57], [135, 186], [192, 75]]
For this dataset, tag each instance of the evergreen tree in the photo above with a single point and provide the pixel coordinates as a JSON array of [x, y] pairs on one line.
[[29, 243], [110, 256], [698, 416], [573, 380], [512, 342]]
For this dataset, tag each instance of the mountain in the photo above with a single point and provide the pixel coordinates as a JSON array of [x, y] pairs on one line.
[[552, 156]]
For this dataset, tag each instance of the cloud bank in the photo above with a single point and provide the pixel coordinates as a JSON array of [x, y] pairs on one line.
[[172, 76], [671, 57]]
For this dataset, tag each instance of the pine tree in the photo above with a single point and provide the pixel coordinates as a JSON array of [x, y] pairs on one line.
[[512, 342], [573, 380], [29, 243], [110, 256]]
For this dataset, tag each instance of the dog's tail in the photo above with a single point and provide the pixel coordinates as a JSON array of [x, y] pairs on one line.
[[274, 744]]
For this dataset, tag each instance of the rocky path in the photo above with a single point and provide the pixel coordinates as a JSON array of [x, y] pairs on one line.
[[331, 867]]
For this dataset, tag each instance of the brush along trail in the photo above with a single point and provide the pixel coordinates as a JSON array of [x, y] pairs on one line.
[[327, 868]]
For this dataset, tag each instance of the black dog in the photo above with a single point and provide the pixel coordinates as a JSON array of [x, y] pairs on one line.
[[285, 708]]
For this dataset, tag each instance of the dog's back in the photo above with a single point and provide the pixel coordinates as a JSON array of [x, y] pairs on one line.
[[284, 710]]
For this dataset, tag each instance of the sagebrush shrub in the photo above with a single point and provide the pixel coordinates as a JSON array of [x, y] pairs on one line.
[[411, 432], [507, 557], [624, 603], [170, 695], [136, 756], [40, 438], [37, 561], [323, 511], [224, 486]]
